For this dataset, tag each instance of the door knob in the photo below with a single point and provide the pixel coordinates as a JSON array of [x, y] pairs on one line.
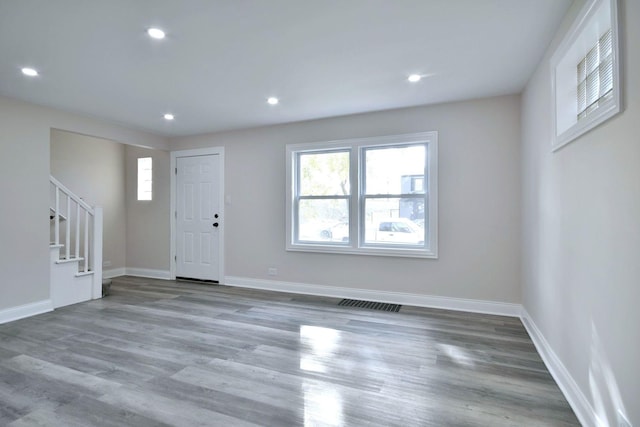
[[215, 224]]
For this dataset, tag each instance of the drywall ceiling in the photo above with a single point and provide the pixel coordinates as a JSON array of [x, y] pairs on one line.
[[221, 59]]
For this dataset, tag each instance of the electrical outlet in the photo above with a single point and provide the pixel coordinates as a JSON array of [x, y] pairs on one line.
[[622, 420], [272, 271], [106, 263]]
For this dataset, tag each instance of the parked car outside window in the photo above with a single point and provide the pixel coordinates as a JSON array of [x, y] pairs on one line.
[[399, 230]]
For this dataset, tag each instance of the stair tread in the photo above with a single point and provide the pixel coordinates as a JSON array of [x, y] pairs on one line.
[[67, 260], [84, 273]]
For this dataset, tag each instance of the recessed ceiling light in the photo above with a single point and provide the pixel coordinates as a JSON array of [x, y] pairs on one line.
[[413, 78], [29, 72], [169, 116], [156, 33], [272, 100]]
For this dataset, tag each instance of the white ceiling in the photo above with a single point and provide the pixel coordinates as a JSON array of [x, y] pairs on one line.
[[222, 58]]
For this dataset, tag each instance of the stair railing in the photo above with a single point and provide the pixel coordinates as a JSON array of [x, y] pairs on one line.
[[84, 229]]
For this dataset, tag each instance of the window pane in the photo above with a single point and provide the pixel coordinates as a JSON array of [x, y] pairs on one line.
[[395, 170], [394, 220], [593, 88], [606, 75], [582, 71], [606, 44], [325, 220], [324, 174], [582, 96], [593, 59]]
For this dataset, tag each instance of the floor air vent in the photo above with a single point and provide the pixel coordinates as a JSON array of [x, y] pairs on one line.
[[383, 306], [190, 279]]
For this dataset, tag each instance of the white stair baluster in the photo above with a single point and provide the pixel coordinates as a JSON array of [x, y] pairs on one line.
[[56, 216], [67, 248], [77, 230], [86, 241], [96, 251]]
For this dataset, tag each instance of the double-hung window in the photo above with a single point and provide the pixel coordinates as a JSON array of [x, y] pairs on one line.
[[372, 196]]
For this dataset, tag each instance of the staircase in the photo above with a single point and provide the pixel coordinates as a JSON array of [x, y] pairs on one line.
[[75, 248]]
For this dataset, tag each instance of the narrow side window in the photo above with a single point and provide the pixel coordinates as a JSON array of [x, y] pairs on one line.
[[145, 178]]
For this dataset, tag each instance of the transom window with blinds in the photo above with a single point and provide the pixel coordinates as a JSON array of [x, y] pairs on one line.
[[586, 73], [595, 76]]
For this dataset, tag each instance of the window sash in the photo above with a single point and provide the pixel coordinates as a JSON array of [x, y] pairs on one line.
[[298, 197], [421, 194]]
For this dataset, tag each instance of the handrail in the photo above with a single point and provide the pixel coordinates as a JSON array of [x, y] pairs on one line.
[[70, 193]]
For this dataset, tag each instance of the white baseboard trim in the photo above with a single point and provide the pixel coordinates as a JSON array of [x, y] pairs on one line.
[[138, 272], [26, 310], [114, 272], [149, 273], [460, 304], [577, 400]]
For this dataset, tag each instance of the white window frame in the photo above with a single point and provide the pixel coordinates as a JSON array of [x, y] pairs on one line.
[[356, 199], [145, 175], [594, 19]]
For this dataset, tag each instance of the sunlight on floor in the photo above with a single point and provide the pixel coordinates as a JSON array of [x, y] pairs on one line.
[[322, 400]]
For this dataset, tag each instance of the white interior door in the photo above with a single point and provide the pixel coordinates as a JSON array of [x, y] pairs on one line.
[[198, 218]]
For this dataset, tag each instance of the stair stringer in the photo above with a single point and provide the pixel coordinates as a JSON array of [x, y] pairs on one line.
[[67, 286]]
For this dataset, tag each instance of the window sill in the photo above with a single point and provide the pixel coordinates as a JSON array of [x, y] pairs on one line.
[[592, 121], [369, 251]]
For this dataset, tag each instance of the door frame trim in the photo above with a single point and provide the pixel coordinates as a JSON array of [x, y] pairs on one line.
[[172, 218]]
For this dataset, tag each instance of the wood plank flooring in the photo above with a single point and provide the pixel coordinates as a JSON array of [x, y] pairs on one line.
[[158, 353]]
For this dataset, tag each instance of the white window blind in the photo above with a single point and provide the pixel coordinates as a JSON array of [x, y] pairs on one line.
[[595, 76]]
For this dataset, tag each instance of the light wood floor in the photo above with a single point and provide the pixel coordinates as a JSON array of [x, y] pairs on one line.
[[165, 353]]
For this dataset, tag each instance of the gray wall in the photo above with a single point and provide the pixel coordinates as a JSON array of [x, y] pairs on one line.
[[24, 191], [102, 172], [24, 186], [479, 193], [581, 236], [93, 168], [148, 229]]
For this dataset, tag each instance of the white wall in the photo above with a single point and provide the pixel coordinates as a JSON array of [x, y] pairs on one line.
[[24, 190], [581, 237], [93, 168], [148, 228], [479, 215]]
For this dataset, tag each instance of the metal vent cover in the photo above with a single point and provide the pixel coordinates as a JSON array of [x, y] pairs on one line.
[[191, 279], [371, 305]]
